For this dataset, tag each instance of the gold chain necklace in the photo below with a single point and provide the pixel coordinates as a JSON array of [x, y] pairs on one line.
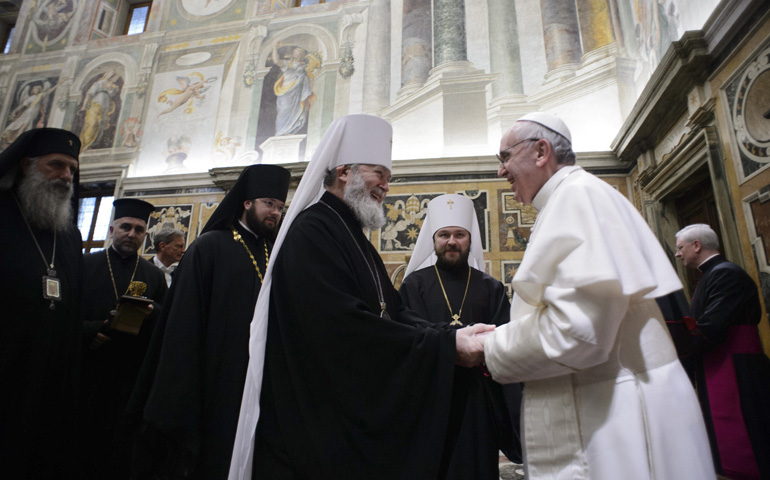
[[237, 237], [112, 277], [455, 316]]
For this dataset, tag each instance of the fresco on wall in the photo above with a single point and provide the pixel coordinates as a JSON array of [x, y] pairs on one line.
[[51, 19], [225, 147], [186, 14], [179, 133], [287, 92], [656, 25], [30, 107], [205, 7], [98, 112], [516, 222], [405, 215], [131, 133], [174, 217], [189, 94]]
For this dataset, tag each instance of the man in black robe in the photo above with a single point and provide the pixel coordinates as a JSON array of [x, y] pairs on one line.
[[354, 385], [726, 354], [112, 358], [40, 281], [440, 285], [203, 335]]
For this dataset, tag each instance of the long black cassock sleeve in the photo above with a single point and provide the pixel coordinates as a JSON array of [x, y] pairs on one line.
[[353, 394]]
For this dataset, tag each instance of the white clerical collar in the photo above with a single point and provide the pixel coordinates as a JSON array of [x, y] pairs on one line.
[[548, 187], [706, 260]]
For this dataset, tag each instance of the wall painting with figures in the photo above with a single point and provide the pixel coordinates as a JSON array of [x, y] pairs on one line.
[[30, 107], [99, 108]]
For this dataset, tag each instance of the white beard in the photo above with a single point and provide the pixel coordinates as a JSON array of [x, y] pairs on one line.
[[46, 204], [366, 209]]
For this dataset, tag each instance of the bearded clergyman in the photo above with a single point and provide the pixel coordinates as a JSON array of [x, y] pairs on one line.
[[190, 389], [355, 385], [445, 283], [40, 289]]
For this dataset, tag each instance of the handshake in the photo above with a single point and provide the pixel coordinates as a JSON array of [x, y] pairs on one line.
[[470, 344]]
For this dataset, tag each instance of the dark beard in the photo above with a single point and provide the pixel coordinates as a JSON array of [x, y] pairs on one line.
[[459, 265], [259, 227], [46, 204]]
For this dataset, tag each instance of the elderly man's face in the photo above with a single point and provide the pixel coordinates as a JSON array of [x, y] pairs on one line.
[[55, 166], [452, 245], [365, 188], [127, 235], [376, 179], [687, 252], [519, 158]]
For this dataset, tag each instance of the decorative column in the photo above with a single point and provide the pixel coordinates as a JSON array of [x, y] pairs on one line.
[[505, 57], [562, 38], [595, 29], [377, 65], [416, 57], [453, 87], [449, 43], [508, 100]]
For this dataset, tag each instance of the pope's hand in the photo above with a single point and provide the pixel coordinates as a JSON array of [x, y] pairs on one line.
[[470, 344]]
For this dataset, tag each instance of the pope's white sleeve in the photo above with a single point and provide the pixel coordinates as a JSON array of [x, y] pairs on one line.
[[569, 330]]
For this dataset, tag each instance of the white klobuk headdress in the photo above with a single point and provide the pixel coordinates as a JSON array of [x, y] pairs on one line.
[[353, 139], [449, 210]]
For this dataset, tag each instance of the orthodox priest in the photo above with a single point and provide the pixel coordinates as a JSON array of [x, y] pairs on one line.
[[732, 372], [191, 414], [354, 386], [112, 357], [40, 289], [605, 396], [440, 285]]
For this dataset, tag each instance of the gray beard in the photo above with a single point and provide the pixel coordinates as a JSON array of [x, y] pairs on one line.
[[366, 209], [46, 205]]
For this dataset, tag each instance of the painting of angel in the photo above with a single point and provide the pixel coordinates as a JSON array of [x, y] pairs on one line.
[[191, 88], [30, 109]]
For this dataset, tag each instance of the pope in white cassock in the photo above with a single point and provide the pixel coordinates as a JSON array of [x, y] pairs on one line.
[[605, 396]]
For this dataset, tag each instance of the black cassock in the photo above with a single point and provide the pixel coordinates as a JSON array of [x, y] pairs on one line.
[[485, 415], [110, 371], [726, 353], [347, 393], [39, 349], [198, 359]]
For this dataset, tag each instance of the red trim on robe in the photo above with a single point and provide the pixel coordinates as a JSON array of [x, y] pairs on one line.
[[735, 451]]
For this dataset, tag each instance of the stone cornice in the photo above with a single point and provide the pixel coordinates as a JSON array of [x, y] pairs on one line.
[[664, 99]]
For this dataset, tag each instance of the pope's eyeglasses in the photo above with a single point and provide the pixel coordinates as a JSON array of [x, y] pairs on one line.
[[503, 156]]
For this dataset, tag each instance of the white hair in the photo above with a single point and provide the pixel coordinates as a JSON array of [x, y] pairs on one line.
[[701, 232]]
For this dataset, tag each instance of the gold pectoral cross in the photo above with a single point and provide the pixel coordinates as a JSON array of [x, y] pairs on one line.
[[456, 320]]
